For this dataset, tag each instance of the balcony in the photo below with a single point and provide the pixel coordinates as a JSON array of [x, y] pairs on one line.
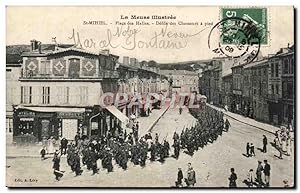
[[107, 74]]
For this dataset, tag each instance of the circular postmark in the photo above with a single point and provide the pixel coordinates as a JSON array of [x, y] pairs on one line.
[[235, 38]]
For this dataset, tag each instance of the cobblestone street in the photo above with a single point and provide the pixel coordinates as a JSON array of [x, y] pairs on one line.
[[212, 163]]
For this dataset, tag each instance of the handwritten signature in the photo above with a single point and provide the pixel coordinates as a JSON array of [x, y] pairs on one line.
[[162, 39]]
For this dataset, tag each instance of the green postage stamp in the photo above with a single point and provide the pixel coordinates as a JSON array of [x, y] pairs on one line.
[[256, 15]]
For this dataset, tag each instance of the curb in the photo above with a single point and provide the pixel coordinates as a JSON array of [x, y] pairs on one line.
[[155, 122], [249, 124], [257, 127]]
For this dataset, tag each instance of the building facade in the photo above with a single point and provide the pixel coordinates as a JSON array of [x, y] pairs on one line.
[[60, 94]]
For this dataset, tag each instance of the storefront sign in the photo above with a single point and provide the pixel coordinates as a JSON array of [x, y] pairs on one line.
[[26, 114], [70, 115]]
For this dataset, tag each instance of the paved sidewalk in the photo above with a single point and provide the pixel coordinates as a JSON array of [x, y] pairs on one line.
[[246, 120], [147, 123]]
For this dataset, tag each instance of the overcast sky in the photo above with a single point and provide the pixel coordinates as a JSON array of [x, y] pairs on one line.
[[43, 23]]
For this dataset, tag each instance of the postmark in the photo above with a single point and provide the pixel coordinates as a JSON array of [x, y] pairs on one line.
[[235, 38]]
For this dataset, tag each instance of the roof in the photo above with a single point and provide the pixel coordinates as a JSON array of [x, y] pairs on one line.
[[178, 72], [256, 63], [13, 58]]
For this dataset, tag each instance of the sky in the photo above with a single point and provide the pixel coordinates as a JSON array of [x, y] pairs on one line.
[[175, 43]]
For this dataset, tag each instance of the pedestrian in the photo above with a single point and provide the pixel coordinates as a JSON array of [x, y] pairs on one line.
[[259, 171], [43, 153], [265, 142], [191, 176], [56, 166], [252, 152], [179, 178], [76, 138], [227, 125], [248, 149], [180, 110], [250, 178], [63, 145], [267, 171], [232, 179]]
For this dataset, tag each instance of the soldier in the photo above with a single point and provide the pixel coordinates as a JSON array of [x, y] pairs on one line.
[[152, 150], [166, 148], [144, 151], [161, 152], [109, 162], [176, 149], [77, 167], [94, 159], [56, 166], [156, 138], [175, 136]]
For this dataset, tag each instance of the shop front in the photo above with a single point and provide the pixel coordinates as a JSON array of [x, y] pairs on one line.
[[35, 124]]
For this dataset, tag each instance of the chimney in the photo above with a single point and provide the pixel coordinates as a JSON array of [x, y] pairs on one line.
[[126, 60], [132, 61], [34, 45], [39, 47]]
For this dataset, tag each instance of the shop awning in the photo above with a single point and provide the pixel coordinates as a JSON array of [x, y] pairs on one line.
[[118, 114], [53, 109]]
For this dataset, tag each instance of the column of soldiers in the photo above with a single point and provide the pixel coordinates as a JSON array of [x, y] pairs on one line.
[[210, 124], [124, 148]]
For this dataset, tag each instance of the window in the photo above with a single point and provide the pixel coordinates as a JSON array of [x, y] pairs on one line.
[[45, 67], [292, 66], [83, 95], [272, 87], [272, 70], [26, 94], [63, 95], [285, 66], [277, 89], [276, 70], [9, 125], [45, 95]]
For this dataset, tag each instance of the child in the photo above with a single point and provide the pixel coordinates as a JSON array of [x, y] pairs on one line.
[[43, 153]]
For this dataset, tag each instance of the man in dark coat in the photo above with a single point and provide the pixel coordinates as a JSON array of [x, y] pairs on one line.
[[232, 179], [93, 159], [176, 149], [64, 145], [56, 166], [265, 143], [267, 172], [179, 178], [152, 151], [77, 167]]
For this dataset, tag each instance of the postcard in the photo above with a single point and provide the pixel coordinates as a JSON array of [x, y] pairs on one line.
[[150, 97]]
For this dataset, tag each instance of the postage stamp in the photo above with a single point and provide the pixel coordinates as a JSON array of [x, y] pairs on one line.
[[256, 15]]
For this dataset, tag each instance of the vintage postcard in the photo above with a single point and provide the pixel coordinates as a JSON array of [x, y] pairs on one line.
[[150, 97]]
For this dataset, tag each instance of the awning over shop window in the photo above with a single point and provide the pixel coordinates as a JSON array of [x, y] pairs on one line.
[[53, 109], [118, 114]]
